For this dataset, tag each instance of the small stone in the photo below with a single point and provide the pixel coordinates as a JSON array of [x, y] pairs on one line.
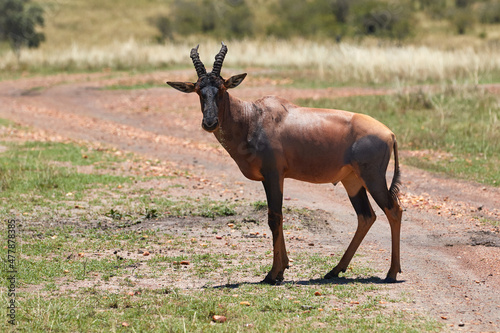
[[317, 293], [184, 262], [146, 253], [245, 303]]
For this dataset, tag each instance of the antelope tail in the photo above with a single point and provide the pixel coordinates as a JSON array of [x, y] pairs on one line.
[[396, 179]]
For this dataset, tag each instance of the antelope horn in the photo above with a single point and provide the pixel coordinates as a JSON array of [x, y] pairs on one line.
[[219, 59], [198, 65]]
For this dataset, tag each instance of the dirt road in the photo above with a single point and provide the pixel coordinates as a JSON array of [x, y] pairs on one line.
[[450, 252]]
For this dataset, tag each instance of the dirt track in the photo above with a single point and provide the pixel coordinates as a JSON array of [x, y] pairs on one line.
[[450, 259]]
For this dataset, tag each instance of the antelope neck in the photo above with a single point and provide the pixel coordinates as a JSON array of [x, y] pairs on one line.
[[236, 120]]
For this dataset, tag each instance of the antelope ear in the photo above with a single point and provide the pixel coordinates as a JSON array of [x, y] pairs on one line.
[[185, 87], [234, 81]]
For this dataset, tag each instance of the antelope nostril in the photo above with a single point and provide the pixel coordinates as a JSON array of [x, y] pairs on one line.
[[211, 122]]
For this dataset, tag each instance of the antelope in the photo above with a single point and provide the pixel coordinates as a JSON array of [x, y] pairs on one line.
[[271, 139]]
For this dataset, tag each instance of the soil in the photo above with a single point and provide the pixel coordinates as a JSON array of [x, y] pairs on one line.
[[450, 244]]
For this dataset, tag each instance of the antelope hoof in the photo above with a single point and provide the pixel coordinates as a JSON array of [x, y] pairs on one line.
[[273, 282], [334, 273], [390, 280], [391, 277]]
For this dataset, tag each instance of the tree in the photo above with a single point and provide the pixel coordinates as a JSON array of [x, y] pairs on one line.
[[18, 23]]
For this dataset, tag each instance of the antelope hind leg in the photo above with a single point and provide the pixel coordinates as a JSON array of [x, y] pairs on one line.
[[393, 211], [366, 217], [394, 216]]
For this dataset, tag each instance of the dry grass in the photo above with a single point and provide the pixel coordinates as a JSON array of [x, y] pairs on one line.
[[346, 62]]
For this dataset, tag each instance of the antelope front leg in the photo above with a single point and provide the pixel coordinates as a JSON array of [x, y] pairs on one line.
[[273, 184]]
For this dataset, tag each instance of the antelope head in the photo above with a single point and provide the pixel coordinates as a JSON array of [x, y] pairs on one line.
[[211, 87]]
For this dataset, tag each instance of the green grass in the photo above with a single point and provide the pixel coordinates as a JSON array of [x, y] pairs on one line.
[[43, 261], [271, 309], [259, 205], [98, 290], [313, 78], [43, 178], [458, 125], [34, 173]]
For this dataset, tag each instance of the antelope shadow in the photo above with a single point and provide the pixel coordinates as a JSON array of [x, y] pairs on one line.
[[319, 281]]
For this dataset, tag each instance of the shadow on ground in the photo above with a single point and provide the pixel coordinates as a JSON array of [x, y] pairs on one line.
[[339, 280]]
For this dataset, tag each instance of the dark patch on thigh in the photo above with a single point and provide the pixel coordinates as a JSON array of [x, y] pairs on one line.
[[361, 203], [369, 151], [372, 154]]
